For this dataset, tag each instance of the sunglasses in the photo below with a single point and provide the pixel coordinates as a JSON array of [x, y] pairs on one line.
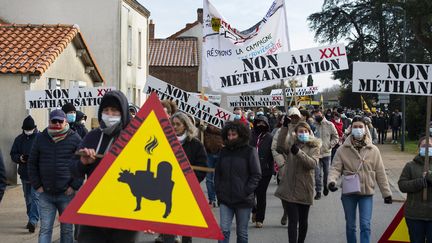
[[55, 121]]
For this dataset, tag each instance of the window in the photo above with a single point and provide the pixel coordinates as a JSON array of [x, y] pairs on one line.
[[134, 96], [129, 45], [54, 83], [139, 49]]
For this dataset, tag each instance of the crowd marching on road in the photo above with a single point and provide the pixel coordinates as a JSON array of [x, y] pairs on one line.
[[307, 150]]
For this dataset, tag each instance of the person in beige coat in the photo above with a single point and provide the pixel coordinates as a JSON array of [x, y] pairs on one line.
[[358, 155], [279, 158], [296, 188]]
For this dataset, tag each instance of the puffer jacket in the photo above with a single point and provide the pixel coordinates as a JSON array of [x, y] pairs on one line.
[[347, 160], [237, 175], [411, 182], [297, 186], [22, 146], [49, 162], [263, 144], [328, 134]]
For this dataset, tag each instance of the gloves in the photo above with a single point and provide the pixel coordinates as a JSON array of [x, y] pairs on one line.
[[388, 200], [294, 149], [286, 121], [332, 187]]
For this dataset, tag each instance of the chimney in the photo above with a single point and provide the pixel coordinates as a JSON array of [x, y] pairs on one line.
[[200, 15], [151, 30]]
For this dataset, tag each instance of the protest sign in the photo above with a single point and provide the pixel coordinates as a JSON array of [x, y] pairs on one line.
[[243, 75], [301, 91], [392, 78], [255, 101], [56, 98], [190, 104], [221, 41]]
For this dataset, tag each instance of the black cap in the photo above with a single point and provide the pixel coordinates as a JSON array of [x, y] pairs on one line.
[[28, 123], [68, 107], [110, 101]]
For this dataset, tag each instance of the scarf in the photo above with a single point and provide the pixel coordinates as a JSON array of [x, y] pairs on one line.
[[182, 138], [358, 144], [58, 134]]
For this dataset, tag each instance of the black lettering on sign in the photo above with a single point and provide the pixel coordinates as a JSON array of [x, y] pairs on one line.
[[408, 71]]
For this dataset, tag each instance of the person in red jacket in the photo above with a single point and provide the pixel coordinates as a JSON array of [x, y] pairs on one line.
[[338, 123], [238, 116]]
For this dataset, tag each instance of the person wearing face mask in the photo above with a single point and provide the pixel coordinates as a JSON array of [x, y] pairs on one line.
[[261, 139], [81, 118], [186, 134], [382, 126], [251, 117], [302, 151], [48, 168], [413, 180], [358, 156], [326, 131], [113, 117], [72, 119], [20, 154], [238, 116], [237, 175], [337, 122]]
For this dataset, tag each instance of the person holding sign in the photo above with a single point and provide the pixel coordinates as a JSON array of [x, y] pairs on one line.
[[413, 180], [295, 190], [237, 175], [360, 164], [113, 116]]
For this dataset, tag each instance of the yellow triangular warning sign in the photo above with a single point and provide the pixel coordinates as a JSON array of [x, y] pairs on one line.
[[397, 232], [145, 182]]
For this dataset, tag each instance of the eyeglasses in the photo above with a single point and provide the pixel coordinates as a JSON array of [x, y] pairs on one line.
[[55, 121]]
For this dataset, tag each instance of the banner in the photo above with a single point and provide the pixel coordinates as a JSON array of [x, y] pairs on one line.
[[255, 101], [392, 78], [221, 41], [188, 103], [212, 98], [300, 91], [235, 75], [56, 98]]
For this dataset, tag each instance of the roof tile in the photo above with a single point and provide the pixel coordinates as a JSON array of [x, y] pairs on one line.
[[174, 52], [32, 48]]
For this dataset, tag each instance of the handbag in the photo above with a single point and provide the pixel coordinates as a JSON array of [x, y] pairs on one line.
[[351, 183]]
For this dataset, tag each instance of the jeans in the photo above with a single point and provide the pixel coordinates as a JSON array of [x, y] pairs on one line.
[[31, 197], [324, 164], [395, 133], [297, 216], [242, 218], [261, 199], [49, 205], [212, 158], [365, 204], [419, 230]]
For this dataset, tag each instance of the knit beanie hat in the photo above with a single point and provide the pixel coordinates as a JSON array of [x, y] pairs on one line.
[[68, 107], [28, 123], [110, 101]]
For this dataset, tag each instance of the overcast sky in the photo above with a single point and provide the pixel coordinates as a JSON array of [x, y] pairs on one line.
[[170, 16]]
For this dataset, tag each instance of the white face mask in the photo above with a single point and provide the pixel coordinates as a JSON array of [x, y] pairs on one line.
[[110, 120], [82, 122], [358, 133], [28, 132]]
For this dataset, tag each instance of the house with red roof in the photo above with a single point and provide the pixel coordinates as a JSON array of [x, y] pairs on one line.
[[39, 57]]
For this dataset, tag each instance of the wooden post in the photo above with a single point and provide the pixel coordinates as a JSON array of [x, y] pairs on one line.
[[202, 121], [426, 164], [284, 96]]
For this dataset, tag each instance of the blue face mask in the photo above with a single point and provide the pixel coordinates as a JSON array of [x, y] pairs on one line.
[[237, 117], [358, 133], [423, 151], [303, 137], [71, 117]]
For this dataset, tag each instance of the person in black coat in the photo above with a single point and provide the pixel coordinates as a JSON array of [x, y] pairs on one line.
[[20, 154], [74, 120], [382, 125], [49, 173], [113, 116], [2, 177], [237, 175], [261, 139]]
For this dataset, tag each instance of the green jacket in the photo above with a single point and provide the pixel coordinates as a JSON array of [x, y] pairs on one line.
[[412, 182]]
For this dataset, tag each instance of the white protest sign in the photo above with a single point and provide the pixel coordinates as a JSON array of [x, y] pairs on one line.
[[301, 91], [235, 76], [255, 101], [392, 78], [212, 98], [221, 41], [188, 103], [56, 98]]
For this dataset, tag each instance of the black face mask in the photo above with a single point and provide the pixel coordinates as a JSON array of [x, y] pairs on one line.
[[260, 129], [318, 118]]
